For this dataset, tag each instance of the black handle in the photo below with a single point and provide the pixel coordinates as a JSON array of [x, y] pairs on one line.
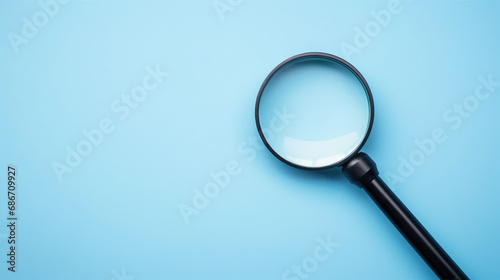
[[362, 171]]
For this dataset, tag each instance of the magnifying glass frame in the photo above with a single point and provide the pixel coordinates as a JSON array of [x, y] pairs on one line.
[[308, 56]]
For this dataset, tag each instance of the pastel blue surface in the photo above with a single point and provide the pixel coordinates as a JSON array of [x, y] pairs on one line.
[[127, 172]]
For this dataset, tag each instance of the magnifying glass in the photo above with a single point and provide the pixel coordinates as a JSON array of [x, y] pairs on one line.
[[315, 111]]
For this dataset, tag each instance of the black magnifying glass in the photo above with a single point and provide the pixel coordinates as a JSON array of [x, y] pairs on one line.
[[315, 111]]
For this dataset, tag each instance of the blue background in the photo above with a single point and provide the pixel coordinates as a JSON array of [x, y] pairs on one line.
[[117, 215]]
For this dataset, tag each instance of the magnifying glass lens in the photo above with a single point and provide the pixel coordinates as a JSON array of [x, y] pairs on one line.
[[314, 113]]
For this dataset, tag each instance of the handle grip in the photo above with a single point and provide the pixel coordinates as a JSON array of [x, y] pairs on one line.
[[362, 171]]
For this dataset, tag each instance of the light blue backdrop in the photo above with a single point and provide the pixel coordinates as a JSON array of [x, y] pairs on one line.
[[171, 181]]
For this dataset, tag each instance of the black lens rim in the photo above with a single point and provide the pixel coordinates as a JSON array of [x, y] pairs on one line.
[[306, 56]]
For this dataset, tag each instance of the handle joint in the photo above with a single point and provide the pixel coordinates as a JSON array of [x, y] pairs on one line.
[[360, 170]]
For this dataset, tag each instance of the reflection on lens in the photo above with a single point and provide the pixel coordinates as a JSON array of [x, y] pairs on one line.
[[317, 111]]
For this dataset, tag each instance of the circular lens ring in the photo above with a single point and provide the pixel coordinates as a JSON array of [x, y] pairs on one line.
[[324, 56]]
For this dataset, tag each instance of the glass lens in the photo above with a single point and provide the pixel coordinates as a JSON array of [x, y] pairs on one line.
[[314, 112]]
